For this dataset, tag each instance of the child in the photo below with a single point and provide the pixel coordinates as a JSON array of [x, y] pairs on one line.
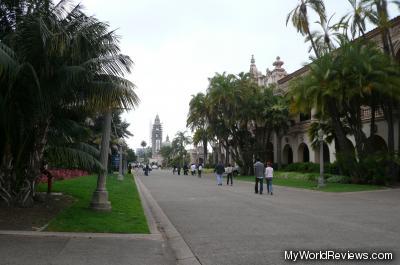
[[269, 174]]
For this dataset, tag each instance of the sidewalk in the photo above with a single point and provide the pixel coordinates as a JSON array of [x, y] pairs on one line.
[[58, 248]]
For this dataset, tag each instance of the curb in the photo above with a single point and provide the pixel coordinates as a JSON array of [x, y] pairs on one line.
[[157, 237], [182, 251]]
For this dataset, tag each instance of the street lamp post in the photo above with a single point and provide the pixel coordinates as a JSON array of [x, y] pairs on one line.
[[120, 173], [321, 182]]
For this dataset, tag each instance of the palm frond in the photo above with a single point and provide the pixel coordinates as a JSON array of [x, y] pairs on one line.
[[73, 157]]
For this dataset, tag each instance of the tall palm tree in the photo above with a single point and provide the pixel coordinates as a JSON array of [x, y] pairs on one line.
[[71, 61], [300, 19], [223, 101], [378, 14], [197, 120], [356, 18]]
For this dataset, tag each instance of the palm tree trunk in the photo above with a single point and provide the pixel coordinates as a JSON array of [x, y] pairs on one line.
[[278, 150], [205, 151], [100, 195], [313, 44], [372, 126]]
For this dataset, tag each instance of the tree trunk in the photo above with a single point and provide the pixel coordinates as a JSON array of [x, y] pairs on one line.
[[278, 151], [388, 112], [205, 151], [372, 128], [100, 195]]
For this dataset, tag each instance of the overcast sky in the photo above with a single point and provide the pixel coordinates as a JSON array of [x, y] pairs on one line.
[[177, 44]]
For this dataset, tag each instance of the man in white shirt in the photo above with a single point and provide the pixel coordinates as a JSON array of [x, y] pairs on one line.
[[193, 169], [229, 170], [199, 169]]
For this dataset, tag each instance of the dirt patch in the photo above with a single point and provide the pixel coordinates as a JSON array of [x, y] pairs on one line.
[[33, 218]]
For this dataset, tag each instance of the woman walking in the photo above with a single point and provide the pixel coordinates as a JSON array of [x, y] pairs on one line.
[[269, 174]]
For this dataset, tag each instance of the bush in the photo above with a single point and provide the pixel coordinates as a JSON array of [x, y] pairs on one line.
[[60, 174], [306, 167], [338, 179]]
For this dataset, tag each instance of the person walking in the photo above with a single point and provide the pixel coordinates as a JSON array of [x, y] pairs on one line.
[[199, 169], [229, 174], [193, 169], [269, 174], [174, 170], [219, 170], [146, 169], [179, 169], [185, 169], [259, 174]]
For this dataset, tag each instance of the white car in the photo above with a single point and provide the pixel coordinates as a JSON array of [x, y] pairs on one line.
[[154, 167]]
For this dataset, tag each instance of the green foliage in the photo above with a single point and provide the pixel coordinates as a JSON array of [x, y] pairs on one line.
[[306, 167], [338, 179], [131, 156], [127, 215], [58, 66], [179, 153]]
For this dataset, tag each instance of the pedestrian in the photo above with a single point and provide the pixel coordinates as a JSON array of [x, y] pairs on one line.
[[146, 169], [129, 168], [259, 174], [199, 169], [269, 174], [185, 169], [219, 170], [174, 169], [193, 169], [179, 169], [229, 174]]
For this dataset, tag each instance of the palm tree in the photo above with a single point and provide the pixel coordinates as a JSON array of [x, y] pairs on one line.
[[143, 144], [179, 144], [377, 13], [339, 84], [197, 120], [71, 62], [356, 18], [300, 20], [223, 100]]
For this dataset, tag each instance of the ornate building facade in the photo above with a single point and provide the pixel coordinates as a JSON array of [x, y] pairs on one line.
[[295, 145]]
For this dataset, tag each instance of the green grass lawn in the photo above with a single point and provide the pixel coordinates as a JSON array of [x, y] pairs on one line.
[[127, 215], [301, 180]]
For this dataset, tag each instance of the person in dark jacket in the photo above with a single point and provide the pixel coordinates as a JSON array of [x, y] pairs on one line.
[[185, 169], [259, 174], [219, 171]]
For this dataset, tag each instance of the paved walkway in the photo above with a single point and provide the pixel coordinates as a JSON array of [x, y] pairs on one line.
[[48, 248], [232, 225], [67, 250]]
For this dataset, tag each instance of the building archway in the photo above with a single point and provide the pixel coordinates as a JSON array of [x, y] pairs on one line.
[[375, 144], [303, 153], [287, 155], [270, 152]]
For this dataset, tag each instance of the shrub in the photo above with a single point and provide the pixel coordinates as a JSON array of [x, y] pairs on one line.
[[60, 174], [306, 167], [338, 179]]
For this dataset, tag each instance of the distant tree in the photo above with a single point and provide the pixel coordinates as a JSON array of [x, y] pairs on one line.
[[166, 152], [131, 156]]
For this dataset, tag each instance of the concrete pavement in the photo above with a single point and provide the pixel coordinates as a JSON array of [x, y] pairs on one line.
[[55, 248], [232, 225]]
